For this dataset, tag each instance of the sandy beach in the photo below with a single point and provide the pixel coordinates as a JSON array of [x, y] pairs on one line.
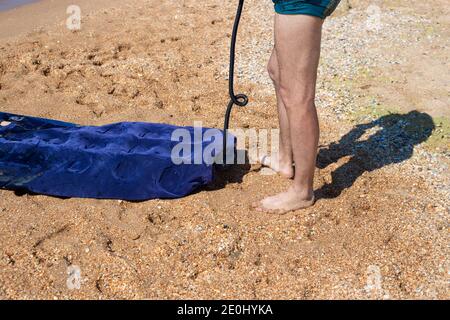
[[379, 229]]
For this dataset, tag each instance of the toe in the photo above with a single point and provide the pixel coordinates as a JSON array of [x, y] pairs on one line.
[[264, 160]]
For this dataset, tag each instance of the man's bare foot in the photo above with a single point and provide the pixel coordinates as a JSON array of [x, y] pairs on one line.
[[284, 168], [285, 202]]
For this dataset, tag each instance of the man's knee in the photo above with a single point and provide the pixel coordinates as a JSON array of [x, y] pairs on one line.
[[297, 98]]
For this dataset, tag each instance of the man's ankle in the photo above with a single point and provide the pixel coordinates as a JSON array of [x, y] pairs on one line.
[[305, 192]]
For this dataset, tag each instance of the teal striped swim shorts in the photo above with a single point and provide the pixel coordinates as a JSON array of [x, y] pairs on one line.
[[317, 8]]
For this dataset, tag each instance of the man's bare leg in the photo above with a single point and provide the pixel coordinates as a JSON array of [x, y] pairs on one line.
[[297, 42], [283, 161]]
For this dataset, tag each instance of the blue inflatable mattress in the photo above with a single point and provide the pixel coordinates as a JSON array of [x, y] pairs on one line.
[[129, 160]]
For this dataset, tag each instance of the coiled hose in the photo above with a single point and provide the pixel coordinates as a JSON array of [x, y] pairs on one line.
[[240, 100]]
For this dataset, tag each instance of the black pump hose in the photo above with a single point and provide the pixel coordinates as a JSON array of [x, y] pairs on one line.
[[240, 100]]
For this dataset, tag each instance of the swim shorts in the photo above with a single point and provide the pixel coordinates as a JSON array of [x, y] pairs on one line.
[[317, 8]]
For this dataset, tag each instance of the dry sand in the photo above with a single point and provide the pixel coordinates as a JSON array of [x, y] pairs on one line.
[[380, 226]]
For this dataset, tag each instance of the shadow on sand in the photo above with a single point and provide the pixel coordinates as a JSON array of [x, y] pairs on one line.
[[229, 174], [391, 139], [387, 140]]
